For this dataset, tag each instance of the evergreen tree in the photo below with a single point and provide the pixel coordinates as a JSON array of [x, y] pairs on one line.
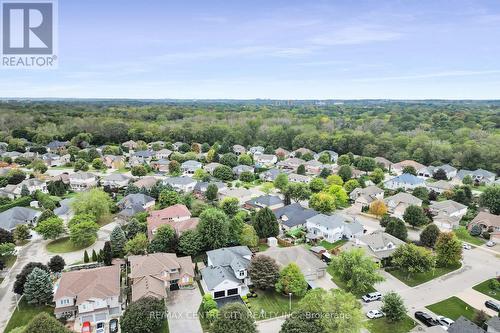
[[266, 224], [38, 287], [107, 253], [85, 257], [118, 241]]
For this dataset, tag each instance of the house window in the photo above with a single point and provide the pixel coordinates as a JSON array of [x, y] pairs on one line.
[[242, 273], [232, 292], [219, 294]]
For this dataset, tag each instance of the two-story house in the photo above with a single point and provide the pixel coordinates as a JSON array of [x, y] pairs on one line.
[[89, 295], [365, 196], [115, 181], [189, 167], [332, 228], [226, 274], [184, 184], [81, 181], [135, 203], [155, 274]]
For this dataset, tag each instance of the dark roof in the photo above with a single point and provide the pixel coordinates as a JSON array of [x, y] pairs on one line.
[[494, 322], [264, 201], [295, 213], [464, 325]]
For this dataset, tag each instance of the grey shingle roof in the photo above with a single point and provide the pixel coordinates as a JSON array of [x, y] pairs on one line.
[[264, 201], [17, 215], [295, 213], [463, 325]]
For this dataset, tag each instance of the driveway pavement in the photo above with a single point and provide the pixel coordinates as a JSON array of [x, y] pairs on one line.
[[182, 308], [476, 300]]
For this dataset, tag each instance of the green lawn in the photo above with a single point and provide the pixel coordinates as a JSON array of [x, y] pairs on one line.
[[382, 325], [342, 285], [63, 245], [452, 308], [329, 246], [464, 235], [25, 314], [9, 261], [262, 247], [270, 304], [164, 327], [484, 287], [418, 278]]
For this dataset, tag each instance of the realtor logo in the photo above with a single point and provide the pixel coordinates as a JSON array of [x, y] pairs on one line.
[[28, 33]]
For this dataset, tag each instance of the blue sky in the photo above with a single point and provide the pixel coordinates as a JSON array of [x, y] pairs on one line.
[[271, 49]]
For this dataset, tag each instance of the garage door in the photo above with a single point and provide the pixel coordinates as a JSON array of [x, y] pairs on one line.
[[219, 294]]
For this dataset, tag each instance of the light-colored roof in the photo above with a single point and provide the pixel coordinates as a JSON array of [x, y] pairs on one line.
[[309, 264], [487, 218], [85, 284], [146, 182], [403, 197], [405, 163], [440, 184], [156, 263], [447, 206]]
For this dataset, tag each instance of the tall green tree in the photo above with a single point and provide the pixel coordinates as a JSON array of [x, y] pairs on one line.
[[234, 318], [357, 270], [291, 280], [429, 235], [144, 315], [165, 240], [51, 228], [264, 272], [118, 241], [265, 224], [38, 288], [393, 306], [448, 249], [415, 216], [413, 259], [213, 228], [490, 198]]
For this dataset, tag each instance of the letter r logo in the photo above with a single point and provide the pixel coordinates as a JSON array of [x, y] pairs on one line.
[[27, 27]]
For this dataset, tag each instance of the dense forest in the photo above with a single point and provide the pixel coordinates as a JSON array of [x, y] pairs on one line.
[[464, 134]]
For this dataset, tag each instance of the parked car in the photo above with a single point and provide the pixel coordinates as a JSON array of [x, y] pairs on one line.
[[113, 326], [490, 244], [374, 314], [100, 327], [492, 305], [376, 296], [86, 327], [466, 246], [426, 319], [444, 321]]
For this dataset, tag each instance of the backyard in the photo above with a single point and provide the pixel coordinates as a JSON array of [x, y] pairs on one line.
[[270, 304], [486, 288], [382, 325], [418, 278], [452, 308]]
